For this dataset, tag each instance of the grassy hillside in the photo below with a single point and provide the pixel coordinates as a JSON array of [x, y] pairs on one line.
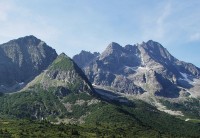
[[62, 94], [93, 117], [189, 107]]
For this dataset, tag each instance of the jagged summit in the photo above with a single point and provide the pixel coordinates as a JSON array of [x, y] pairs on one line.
[[26, 39], [31, 37], [114, 45], [143, 68], [84, 58], [153, 43], [113, 48], [156, 50]]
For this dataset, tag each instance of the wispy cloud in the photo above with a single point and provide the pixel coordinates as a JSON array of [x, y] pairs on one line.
[[195, 37], [17, 21], [5, 8], [154, 23], [172, 23], [161, 20], [70, 26]]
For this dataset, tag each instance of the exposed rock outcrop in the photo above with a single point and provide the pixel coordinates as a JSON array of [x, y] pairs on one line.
[[146, 67], [21, 60]]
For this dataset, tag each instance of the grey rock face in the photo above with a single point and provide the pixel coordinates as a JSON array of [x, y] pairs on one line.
[[84, 58], [140, 68], [23, 59]]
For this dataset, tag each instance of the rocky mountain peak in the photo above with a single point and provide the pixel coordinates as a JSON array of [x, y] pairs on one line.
[[152, 52], [114, 45], [63, 73], [153, 44], [28, 40], [84, 58], [21, 60], [112, 49], [137, 69]]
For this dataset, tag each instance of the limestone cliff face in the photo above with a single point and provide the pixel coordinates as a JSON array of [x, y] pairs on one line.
[[143, 68], [21, 60]]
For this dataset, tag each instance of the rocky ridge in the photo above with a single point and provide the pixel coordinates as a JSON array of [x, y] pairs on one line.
[[63, 74], [143, 68], [85, 58], [55, 93], [21, 60]]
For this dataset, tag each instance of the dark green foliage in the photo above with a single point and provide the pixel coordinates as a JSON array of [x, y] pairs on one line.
[[72, 97], [143, 120], [102, 119], [1, 94], [31, 104], [75, 87], [25, 128], [79, 110], [28, 128], [190, 107], [63, 62]]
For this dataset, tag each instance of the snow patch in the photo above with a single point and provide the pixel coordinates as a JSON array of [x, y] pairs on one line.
[[143, 68], [195, 81], [132, 68], [187, 119], [142, 60], [21, 83], [185, 76]]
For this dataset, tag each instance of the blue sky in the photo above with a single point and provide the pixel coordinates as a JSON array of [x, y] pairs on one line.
[[73, 25]]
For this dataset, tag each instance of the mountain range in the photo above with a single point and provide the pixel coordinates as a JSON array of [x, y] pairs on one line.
[[146, 68], [121, 92]]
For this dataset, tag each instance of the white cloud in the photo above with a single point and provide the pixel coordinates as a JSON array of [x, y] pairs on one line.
[[5, 8], [160, 28], [91, 26], [19, 21], [195, 37], [155, 23]]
